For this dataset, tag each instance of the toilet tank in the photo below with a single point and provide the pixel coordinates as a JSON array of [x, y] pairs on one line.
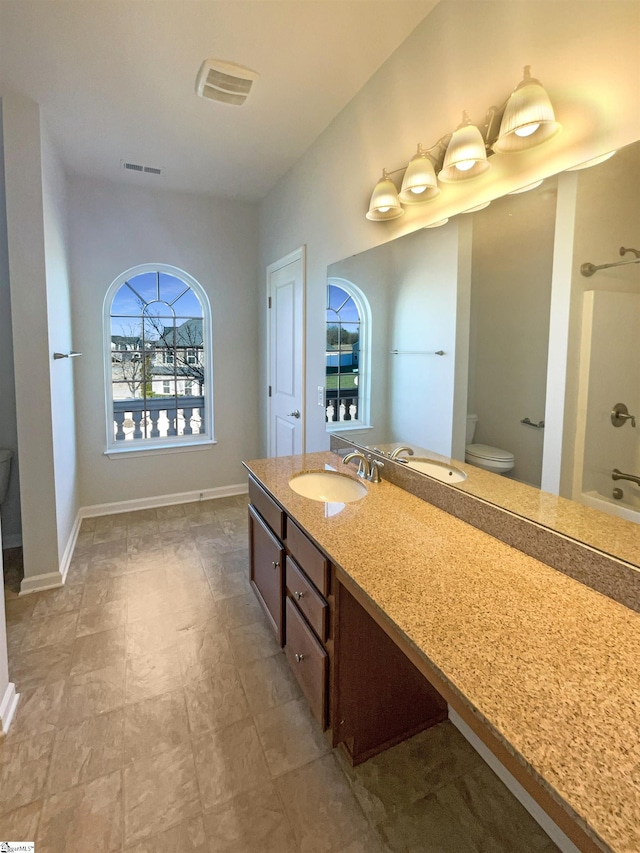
[[472, 421]]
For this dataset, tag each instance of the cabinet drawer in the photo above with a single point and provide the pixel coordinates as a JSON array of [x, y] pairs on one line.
[[267, 507], [266, 571], [308, 661], [312, 605], [305, 553]]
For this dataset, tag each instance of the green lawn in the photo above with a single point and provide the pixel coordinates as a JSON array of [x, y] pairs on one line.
[[347, 381]]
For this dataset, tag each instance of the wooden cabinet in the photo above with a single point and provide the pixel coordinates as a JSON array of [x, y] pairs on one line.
[[355, 678], [379, 697], [309, 662], [266, 567], [312, 605]]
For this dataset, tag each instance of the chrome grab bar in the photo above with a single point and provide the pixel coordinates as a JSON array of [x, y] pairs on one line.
[[528, 422], [619, 475]]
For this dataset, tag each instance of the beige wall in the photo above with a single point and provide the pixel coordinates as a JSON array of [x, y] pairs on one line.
[[464, 55], [11, 528], [36, 268], [511, 301], [114, 228]]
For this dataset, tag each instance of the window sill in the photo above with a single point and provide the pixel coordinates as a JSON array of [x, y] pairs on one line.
[[341, 427], [156, 450]]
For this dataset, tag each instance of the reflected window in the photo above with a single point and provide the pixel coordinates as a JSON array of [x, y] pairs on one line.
[[158, 356], [346, 361]]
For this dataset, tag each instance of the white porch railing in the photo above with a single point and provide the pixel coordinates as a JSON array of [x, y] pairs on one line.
[[158, 417]]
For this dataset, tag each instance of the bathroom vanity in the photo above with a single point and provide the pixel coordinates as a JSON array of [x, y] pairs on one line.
[[390, 609]]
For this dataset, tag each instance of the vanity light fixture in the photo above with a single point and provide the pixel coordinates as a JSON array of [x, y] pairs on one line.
[[526, 188], [477, 207], [438, 223], [385, 203], [419, 183], [526, 120], [466, 155], [589, 163]]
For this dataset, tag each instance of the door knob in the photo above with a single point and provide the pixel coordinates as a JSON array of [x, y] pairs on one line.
[[295, 414]]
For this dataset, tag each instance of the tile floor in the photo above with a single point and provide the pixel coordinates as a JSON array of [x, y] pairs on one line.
[[158, 714]]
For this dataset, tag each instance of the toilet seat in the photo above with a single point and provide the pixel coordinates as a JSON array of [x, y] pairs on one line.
[[489, 458]]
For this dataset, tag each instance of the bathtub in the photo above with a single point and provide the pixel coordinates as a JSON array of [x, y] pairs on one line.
[[613, 507]]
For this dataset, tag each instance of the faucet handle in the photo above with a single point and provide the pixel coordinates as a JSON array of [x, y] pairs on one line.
[[374, 470]]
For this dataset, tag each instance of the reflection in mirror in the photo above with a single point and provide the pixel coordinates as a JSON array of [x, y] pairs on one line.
[[491, 317]]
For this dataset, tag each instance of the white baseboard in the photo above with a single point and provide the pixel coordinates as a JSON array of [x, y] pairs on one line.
[[162, 500], [8, 707], [71, 544], [38, 583], [537, 813], [53, 580]]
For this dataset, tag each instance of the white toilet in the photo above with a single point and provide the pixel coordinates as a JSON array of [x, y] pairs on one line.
[[5, 471], [483, 455]]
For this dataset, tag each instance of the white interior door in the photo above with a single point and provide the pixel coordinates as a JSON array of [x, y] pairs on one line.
[[285, 286]]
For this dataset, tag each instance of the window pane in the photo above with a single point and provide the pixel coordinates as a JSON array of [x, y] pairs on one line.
[[159, 309], [126, 303], [145, 286], [188, 305], [171, 288], [336, 297]]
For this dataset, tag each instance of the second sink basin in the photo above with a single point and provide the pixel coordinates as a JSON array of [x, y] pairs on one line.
[[327, 486], [439, 470]]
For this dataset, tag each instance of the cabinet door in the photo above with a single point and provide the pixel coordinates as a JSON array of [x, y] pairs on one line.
[[308, 661], [266, 562]]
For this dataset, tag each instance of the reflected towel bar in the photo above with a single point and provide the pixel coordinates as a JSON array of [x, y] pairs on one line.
[[415, 352], [528, 422]]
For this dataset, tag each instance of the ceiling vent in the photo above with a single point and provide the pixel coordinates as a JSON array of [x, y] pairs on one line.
[[225, 82], [138, 167]]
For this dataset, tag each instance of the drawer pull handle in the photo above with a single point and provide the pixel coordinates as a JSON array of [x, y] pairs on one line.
[[275, 564], [299, 658], [298, 595]]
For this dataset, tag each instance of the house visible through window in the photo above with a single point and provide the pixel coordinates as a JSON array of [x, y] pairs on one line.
[[347, 334], [159, 345]]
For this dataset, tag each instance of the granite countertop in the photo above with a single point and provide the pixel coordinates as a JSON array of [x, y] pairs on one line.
[[607, 533], [551, 666]]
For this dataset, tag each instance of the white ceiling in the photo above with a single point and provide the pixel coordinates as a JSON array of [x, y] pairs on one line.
[[115, 80]]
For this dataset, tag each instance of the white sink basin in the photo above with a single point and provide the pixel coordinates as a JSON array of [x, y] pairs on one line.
[[438, 470], [328, 486]]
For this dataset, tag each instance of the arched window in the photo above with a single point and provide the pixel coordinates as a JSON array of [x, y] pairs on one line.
[[158, 358], [348, 333]]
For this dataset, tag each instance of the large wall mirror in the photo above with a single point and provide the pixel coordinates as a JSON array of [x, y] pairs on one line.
[[487, 332]]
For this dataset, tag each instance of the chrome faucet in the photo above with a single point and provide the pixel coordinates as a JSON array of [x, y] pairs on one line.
[[398, 450], [368, 468]]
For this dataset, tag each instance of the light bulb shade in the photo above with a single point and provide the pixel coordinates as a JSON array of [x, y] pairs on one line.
[[437, 224], [528, 118], [384, 201], [419, 183], [466, 155]]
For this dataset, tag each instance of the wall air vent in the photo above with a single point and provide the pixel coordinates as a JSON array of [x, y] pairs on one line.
[[138, 167], [225, 82]]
